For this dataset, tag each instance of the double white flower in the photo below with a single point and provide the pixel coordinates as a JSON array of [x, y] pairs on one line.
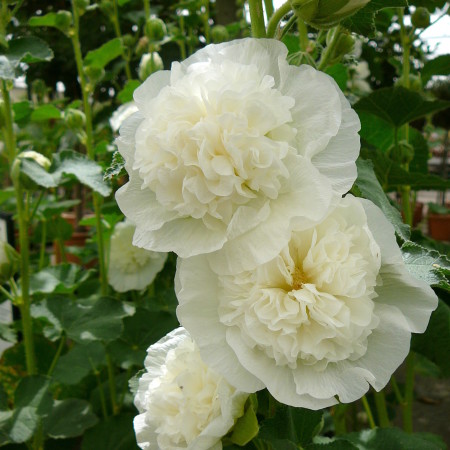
[[331, 314], [230, 147]]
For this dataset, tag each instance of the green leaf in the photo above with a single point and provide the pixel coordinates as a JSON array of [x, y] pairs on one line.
[[435, 342], [113, 433], [394, 438], [369, 186], [34, 391], [331, 444], [437, 66], [246, 427], [398, 106], [117, 167], [22, 111], [126, 94], [61, 279], [363, 22], [72, 367], [7, 72], [430, 4], [19, 425], [69, 418], [60, 20], [104, 54], [140, 330], [340, 75], [45, 112], [28, 50], [422, 263], [7, 333]]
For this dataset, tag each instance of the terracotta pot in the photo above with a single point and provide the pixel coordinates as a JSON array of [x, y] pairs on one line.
[[439, 226]]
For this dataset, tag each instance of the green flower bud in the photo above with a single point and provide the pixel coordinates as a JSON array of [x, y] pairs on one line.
[[150, 63], [9, 262], [63, 20], [155, 29], [344, 45], [128, 40], [421, 18], [75, 119], [82, 6], [107, 7], [16, 169], [219, 34], [325, 14], [94, 73]]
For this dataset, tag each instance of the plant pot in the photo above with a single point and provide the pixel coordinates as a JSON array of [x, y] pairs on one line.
[[439, 226]]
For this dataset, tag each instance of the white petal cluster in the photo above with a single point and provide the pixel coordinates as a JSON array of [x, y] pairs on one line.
[[231, 147], [131, 267], [331, 314], [182, 403]]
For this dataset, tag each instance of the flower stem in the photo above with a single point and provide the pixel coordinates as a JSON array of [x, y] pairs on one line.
[[147, 9], [409, 394], [7, 294], [43, 244], [62, 341], [115, 21], [112, 385], [86, 91], [328, 52], [368, 411], [205, 19], [276, 18], [257, 18], [398, 394], [380, 403], [10, 138], [340, 425], [269, 8], [303, 34]]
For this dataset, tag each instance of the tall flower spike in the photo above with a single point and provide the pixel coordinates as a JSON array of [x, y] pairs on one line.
[[330, 315], [183, 405], [230, 147]]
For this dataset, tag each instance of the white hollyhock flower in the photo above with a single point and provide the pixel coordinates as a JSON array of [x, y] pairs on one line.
[[131, 267], [182, 403], [331, 314], [121, 114], [229, 147]]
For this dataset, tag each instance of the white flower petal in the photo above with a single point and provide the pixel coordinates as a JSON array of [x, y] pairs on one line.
[[150, 88]]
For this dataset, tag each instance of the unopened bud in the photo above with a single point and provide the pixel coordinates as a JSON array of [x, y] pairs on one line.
[[420, 18], [9, 261], [75, 119], [63, 20], [155, 29], [325, 14], [150, 63], [81, 6], [18, 176], [219, 34], [94, 73]]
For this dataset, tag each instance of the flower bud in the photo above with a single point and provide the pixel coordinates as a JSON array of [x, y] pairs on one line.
[[421, 18], [325, 14], [107, 7], [75, 119], [150, 63], [63, 20], [345, 44], [128, 40], [94, 73], [219, 34], [155, 29], [16, 170], [9, 261], [82, 6]]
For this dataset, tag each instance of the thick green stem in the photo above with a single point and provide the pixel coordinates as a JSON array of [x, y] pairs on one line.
[[329, 50], [340, 424], [7, 294], [62, 342], [86, 93], [112, 385], [272, 26], [101, 394], [147, 9], [302, 34], [368, 411], [257, 18], [116, 25], [269, 8], [409, 394], [380, 403], [43, 244], [10, 138]]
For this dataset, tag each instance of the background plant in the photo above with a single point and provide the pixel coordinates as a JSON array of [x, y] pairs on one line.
[[77, 342]]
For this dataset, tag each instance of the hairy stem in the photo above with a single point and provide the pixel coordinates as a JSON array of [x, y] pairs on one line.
[[272, 26], [257, 18]]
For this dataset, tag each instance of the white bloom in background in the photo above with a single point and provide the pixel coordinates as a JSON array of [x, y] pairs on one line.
[[121, 114], [230, 147], [331, 314], [182, 403], [131, 267], [359, 73]]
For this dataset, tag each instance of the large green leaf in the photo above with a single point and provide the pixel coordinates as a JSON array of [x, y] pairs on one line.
[[398, 106], [68, 164], [246, 427], [34, 391], [104, 54], [69, 418], [61, 279], [369, 186], [83, 320], [437, 66], [394, 438], [60, 20], [45, 112], [113, 433], [435, 342], [140, 331], [72, 367], [29, 50], [363, 22]]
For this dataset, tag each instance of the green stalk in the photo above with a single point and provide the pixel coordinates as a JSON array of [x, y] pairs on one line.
[[86, 91], [101, 393], [257, 18], [368, 411], [380, 403], [328, 52], [302, 34], [276, 19], [10, 138], [7, 294], [116, 25], [206, 23], [269, 8], [43, 244], [112, 384], [62, 341], [396, 389], [409, 394], [340, 425], [182, 43], [147, 9]]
